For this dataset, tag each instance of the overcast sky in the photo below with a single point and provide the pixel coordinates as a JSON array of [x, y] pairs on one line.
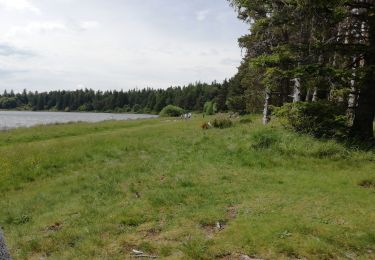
[[116, 44]]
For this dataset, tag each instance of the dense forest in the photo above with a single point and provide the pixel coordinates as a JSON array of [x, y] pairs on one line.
[[191, 98], [317, 54]]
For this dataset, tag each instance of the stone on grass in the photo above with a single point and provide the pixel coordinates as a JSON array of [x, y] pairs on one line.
[[4, 255]]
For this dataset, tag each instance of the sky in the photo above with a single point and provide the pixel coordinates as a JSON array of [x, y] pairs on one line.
[[116, 44]]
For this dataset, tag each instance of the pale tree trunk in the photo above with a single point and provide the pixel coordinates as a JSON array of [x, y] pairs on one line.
[[4, 254], [266, 111], [315, 95], [357, 63], [308, 96], [353, 97], [297, 93]]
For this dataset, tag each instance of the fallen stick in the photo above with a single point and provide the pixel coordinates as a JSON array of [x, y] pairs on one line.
[[145, 256]]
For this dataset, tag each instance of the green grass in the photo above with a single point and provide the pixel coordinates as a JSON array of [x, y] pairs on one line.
[[97, 191]]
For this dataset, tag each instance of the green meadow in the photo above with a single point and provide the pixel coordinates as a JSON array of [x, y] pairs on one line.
[[173, 190]]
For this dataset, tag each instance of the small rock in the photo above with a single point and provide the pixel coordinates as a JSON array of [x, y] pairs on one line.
[[137, 195], [351, 255], [4, 254], [220, 225]]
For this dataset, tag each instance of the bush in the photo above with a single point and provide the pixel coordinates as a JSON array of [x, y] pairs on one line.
[[137, 108], [222, 122], [209, 108], [171, 111], [320, 119], [8, 102]]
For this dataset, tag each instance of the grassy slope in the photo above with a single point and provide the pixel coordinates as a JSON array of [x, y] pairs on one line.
[[81, 191]]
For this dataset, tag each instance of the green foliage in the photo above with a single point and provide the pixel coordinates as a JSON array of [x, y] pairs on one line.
[[191, 98], [8, 102], [237, 104], [209, 108], [83, 108], [222, 122], [320, 119], [294, 39], [137, 108], [171, 111]]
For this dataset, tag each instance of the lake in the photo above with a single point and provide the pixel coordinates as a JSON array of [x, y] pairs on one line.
[[15, 119]]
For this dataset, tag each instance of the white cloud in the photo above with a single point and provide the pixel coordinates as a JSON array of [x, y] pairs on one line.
[[202, 15], [10, 50], [49, 27], [19, 5], [80, 86], [85, 25], [36, 27]]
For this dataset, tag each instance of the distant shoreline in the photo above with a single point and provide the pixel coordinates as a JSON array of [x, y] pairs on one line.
[[59, 111], [21, 119]]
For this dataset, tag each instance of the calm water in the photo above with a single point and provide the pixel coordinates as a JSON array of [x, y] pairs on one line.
[[14, 119]]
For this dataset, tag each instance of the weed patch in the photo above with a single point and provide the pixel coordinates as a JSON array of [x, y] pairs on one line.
[[264, 139], [195, 248], [368, 183], [222, 122]]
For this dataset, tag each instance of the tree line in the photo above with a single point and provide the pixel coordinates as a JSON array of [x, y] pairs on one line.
[[191, 98], [309, 51]]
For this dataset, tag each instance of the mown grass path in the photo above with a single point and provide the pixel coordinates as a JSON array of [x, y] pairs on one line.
[[97, 191]]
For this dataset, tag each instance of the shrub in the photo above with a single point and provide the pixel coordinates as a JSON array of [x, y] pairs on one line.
[[320, 119], [8, 102], [171, 111], [222, 122], [209, 108], [137, 108], [82, 108]]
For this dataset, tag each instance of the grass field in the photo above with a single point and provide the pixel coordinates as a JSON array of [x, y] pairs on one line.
[[173, 190]]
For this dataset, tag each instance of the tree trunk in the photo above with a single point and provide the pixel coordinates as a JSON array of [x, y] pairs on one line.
[[297, 93], [308, 96], [363, 123], [266, 111], [352, 103], [315, 95], [4, 255]]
